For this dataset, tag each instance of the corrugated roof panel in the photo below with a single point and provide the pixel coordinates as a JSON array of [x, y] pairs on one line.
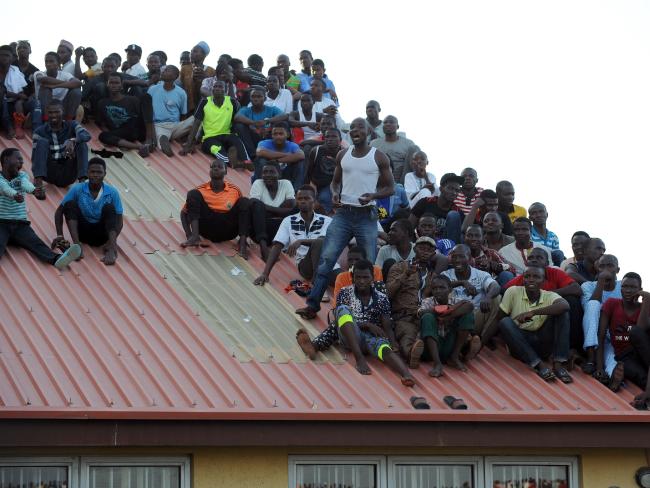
[[124, 342]]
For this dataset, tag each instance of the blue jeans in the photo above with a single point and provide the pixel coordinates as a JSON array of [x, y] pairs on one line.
[[453, 225], [503, 277], [551, 339], [348, 222], [325, 198]]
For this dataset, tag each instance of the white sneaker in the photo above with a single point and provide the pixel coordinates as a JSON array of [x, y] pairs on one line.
[[71, 254]]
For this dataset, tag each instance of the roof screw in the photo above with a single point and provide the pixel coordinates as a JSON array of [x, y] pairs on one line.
[[87, 310], [390, 405], [119, 353], [194, 403], [138, 353], [234, 403], [69, 401], [313, 405], [141, 312], [171, 215], [19, 351], [111, 402], [173, 188], [27, 401], [133, 243], [197, 313], [275, 403], [233, 354], [349, 404], [31, 309], [153, 402], [270, 356]]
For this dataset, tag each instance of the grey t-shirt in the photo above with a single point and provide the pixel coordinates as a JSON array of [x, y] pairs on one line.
[[399, 152], [390, 252]]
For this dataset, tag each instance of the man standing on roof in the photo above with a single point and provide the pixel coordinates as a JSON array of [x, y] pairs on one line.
[[217, 211], [361, 176], [93, 213]]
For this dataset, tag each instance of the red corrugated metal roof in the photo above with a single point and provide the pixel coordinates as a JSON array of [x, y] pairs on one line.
[[120, 342]]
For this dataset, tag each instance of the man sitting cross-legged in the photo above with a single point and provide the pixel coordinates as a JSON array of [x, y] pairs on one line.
[[302, 236], [14, 226], [534, 324], [217, 211], [445, 325], [362, 316], [93, 213]]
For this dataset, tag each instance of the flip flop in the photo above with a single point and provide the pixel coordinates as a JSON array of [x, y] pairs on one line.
[[589, 368], [420, 403], [455, 403]]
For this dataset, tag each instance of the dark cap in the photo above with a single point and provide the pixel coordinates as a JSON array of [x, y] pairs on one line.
[[451, 178], [134, 47]]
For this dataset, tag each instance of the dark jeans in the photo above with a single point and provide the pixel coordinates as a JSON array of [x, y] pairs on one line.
[[225, 141], [62, 172], [637, 361], [21, 234], [576, 335], [93, 234], [265, 225], [294, 172], [71, 101], [219, 226], [248, 137], [551, 339], [453, 226]]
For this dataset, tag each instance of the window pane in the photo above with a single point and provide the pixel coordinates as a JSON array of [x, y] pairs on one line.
[[433, 476], [33, 476], [336, 476], [135, 477], [530, 476]]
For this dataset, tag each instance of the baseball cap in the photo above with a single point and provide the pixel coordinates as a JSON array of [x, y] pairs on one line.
[[451, 178], [134, 47], [426, 240]]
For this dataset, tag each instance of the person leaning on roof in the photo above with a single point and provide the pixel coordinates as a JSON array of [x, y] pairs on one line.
[[217, 211]]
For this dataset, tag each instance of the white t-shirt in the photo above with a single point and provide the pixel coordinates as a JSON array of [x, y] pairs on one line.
[[413, 184], [293, 228], [57, 93], [261, 192], [284, 101], [390, 252], [480, 280], [138, 71], [516, 256], [319, 107], [14, 80], [68, 67]]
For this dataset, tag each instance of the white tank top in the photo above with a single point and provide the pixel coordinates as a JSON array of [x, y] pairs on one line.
[[308, 131], [360, 175]]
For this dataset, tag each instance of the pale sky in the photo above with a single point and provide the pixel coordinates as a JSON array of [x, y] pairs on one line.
[[553, 96]]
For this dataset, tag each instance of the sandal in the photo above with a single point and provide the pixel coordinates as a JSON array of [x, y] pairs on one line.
[[589, 368], [455, 403], [546, 374], [420, 403], [602, 377], [563, 375], [306, 313]]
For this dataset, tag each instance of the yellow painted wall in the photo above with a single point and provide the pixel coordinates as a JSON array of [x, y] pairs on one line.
[[268, 467]]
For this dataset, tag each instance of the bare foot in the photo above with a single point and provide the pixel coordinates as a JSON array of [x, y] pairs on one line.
[[437, 371], [618, 375], [475, 346], [408, 381], [144, 150], [305, 344], [362, 367], [110, 256], [457, 364], [243, 248], [191, 242]]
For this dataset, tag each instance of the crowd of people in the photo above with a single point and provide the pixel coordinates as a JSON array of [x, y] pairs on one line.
[[416, 269]]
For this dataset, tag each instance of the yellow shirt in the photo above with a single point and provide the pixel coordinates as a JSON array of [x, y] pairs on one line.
[[517, 212], [515, 301]]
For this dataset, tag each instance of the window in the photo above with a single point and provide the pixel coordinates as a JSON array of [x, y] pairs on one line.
[[348, 471], [135, 473], [535, 472], [33, 472], [448, 472]]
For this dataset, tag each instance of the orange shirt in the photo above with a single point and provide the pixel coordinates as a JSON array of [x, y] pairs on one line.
[[221, 201], [345, 279]]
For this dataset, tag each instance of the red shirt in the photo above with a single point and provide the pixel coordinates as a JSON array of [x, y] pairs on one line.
[[463, 203], [620, 324], [554, 278]]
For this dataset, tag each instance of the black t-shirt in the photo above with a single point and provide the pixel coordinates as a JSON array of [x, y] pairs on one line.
[[114, 114], [324, 165], [29, 77], [430, 206]]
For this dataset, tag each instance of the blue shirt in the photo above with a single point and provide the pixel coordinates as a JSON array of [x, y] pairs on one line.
[[90, 208], [168, 106], [588, 288], [392, 203], [289, 146], [266, 113]]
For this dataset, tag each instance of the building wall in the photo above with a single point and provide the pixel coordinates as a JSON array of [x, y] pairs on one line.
[[268, 467]]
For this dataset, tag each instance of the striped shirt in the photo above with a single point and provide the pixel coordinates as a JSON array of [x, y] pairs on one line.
[[551, 241], [464, 203], [10, 209], [69, 130]]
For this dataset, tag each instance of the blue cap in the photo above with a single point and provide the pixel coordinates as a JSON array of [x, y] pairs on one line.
[[204, 47]]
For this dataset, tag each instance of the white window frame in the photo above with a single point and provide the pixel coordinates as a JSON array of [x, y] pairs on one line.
[[475, 461], [72, 463], [570, 462], [147, 461], [378, 461]]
